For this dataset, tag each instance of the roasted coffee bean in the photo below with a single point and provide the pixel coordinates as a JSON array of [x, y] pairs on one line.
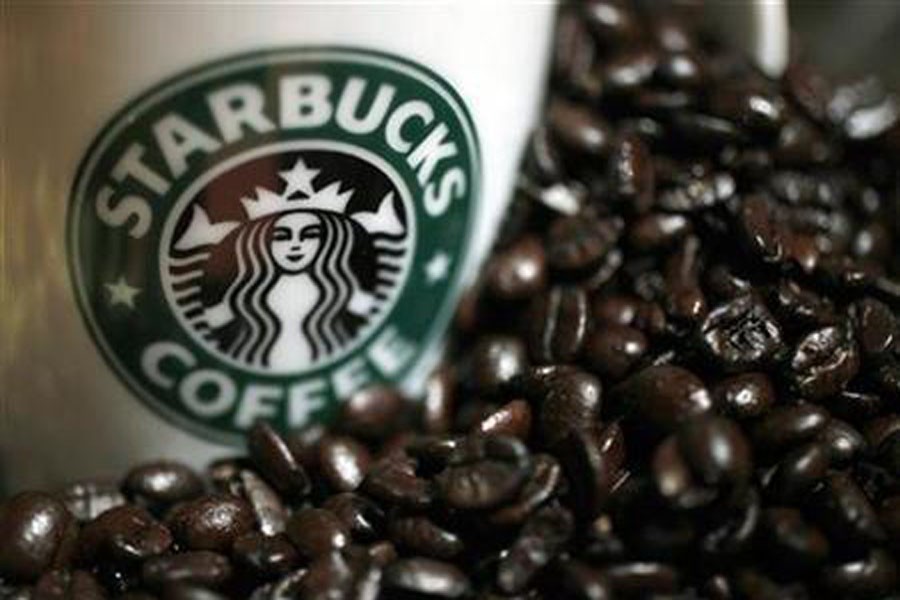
[[348, 574], [760, 111], [741, 334], [869, 577], [63, 584], [662, 397], [784, 426], [210, 522], [125, 533], [792, 544], [578, 130], [316, 531], [519, 272], [267, 506], [592, 458], [629, 70], [275, 461], [393, 480], [744, 396], [657, 231], [761, 232], [545, 480], [705, 131], [845, 513], [875, 325], [439, 402], [87, 500], [420, 535], [843, 442], [373, 413], [641, 578], [426, 578], [824, 362], [541, 539], [364, 519], [161, 484], [800, 309], [39, 534], [579, 581], [484, 472], [494, 362], [567, 398], [265, 556], [512, 419], [684, 298], [613, 350], [202, 568], [343, 462], [576, 244], [706, 455], [186, 591], [799, 471], [889, 515], [631, 175], [696, 193]]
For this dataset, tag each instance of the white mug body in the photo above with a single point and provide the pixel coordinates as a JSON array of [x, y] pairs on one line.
[[181, 183]]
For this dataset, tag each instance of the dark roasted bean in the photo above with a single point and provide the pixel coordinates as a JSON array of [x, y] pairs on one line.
[[631, 176], [845, 513], [124, 533], [439, 402], [662, 396], [784, 426], [576, 244], [567, 399], [494, 362], [348, 574], [824, 362], [393, 480], [159, 485], [876, 326], [744, 396], [612, 350], [592, 458], [210, 522], [64, 585], [343, 462], [38, 535], [657, 231], [741, 334], [641, 578], [484, 472], [543, 484], [316, 531], [267, 506], [360, 516], [519, 272], [513, 419], [202, 568], [578, 129], [541, 538], [843, 442], [760, 231], [422, 536], [265, 556], [427, 578], [869, 577], [799, 471], [372, 414], [186, 591], [275, 461], [792, 545], [579, 581]]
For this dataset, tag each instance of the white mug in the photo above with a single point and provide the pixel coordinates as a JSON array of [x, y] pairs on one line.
[[216, 213]]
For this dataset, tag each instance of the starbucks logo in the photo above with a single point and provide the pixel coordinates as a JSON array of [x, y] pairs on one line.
[[261, 236]]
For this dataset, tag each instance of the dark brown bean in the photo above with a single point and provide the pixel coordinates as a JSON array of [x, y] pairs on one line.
[[211, 522], [513, 419], [364, 519], [540, 540], [125, 533], [869, 577], [613, 350], [641, 578], [420, 535], [876, 326], [275, 461], [316, 531], [265, 556], [631, 175], [799, 471], [63, 584], [787, 425], [202, 568], [494, 362], [518, 272], [662, 396], [484, 472], [845, 513], [567, 399], [267, 506], [544, 482], [343, 462], [38, 535], [591, 458], [578, 129], [824, 362], [741, 334], [426, 577], [393, 480], [161, 484], [792, 545], [744, 396], [372, 414], [439, 402]]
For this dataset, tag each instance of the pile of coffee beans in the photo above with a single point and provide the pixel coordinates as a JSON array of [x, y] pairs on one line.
[[679, 377]]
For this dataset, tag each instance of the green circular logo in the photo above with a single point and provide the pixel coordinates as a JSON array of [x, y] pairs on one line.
[[264, 235]]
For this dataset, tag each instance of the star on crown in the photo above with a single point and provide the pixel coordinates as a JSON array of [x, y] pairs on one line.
[[299, 179]]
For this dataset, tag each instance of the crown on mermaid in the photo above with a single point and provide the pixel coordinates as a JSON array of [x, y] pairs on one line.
[[299, 193]]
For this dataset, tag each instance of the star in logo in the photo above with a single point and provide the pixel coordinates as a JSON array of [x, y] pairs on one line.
[[122, 293], [437, 267], [298, 179]]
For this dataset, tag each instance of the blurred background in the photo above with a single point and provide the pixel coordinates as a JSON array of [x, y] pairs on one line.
[[847, 37]]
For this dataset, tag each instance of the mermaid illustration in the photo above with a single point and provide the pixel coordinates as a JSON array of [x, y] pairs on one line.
[[295, 282]]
